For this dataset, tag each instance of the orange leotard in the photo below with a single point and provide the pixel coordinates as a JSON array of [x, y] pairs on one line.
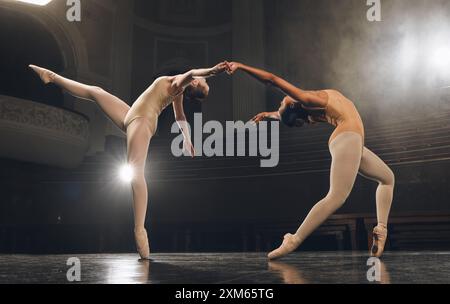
[[339, 112]]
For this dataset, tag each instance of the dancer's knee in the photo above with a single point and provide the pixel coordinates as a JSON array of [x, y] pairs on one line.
[[338, 197], [388, 179], [136, 163], [95, 91], [138, 178]]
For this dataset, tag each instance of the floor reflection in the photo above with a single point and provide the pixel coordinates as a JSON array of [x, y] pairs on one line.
[[288, 273], [385, 276], [129, 271], [300, 272]]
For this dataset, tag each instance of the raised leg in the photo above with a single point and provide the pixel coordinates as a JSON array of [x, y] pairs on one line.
[[346, 157], [139, 134], [115, 108]]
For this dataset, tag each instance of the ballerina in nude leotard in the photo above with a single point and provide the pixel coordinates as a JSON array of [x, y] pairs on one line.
[[140, 122], [347, 150]]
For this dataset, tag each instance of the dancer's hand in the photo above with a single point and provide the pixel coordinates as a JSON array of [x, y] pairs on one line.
[[260, 117], [232, 67], [189, 147], [220, 68]]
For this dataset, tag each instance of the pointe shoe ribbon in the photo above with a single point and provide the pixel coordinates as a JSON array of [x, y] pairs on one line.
[[379, 240], [142, 244]]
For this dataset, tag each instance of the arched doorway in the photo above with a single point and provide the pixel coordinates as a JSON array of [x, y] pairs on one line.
[[26, 41]]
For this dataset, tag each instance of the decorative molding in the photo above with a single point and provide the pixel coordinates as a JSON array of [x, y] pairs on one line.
[[41, 134], [37, 115]]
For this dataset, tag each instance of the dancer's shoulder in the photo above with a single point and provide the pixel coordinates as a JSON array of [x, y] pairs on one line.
[[332, 92], [337, 95], [164, 78]]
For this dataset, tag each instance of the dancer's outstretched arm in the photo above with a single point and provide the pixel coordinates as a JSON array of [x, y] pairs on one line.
[[180, 82], [307, 98], [180, 117], [264, 115]]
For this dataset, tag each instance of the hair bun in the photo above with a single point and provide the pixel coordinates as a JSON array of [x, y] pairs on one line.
[[294, 117], [289, 119]]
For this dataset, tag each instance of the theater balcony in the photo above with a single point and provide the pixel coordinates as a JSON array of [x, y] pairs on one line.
[[42, 134]]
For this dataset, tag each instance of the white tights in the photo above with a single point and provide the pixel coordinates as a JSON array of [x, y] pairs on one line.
[[139, 134], [349, 157]]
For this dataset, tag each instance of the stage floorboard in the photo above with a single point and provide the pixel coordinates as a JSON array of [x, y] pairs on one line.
[[229, 268]]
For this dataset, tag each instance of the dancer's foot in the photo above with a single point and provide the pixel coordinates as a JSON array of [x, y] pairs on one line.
[[290, 243], [379, 240], [142, 245], [46, 76]]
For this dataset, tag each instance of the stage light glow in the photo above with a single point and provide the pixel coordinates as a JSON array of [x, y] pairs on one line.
[[36, 2], [126, 173], [440, 57]]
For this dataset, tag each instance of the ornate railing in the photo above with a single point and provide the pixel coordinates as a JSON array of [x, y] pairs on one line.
[[34, 132]]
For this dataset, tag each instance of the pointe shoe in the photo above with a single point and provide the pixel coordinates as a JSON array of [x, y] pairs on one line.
[[45, 75], [289, 245], [379, 240], [142, 245]]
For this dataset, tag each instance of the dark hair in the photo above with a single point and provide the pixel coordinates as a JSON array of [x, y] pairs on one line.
[[294, 116], [194, 94]]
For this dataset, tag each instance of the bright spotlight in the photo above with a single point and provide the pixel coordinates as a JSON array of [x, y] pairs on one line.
[[126, 173], [440, 57], [36, 2]]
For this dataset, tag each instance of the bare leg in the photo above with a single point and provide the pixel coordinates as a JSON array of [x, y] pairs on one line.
[[372, 167], [346, 152], [113, 107], [139, 134]]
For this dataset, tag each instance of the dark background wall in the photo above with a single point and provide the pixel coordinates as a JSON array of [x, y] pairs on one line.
[[22, 35]]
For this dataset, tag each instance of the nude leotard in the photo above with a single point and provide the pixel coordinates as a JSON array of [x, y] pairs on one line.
[[339, 112], [151, 103], [348, 158]]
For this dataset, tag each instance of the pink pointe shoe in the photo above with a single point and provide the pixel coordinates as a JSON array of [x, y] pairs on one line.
[[45, 75], [290, 244], [142, 245], [379, 240]]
